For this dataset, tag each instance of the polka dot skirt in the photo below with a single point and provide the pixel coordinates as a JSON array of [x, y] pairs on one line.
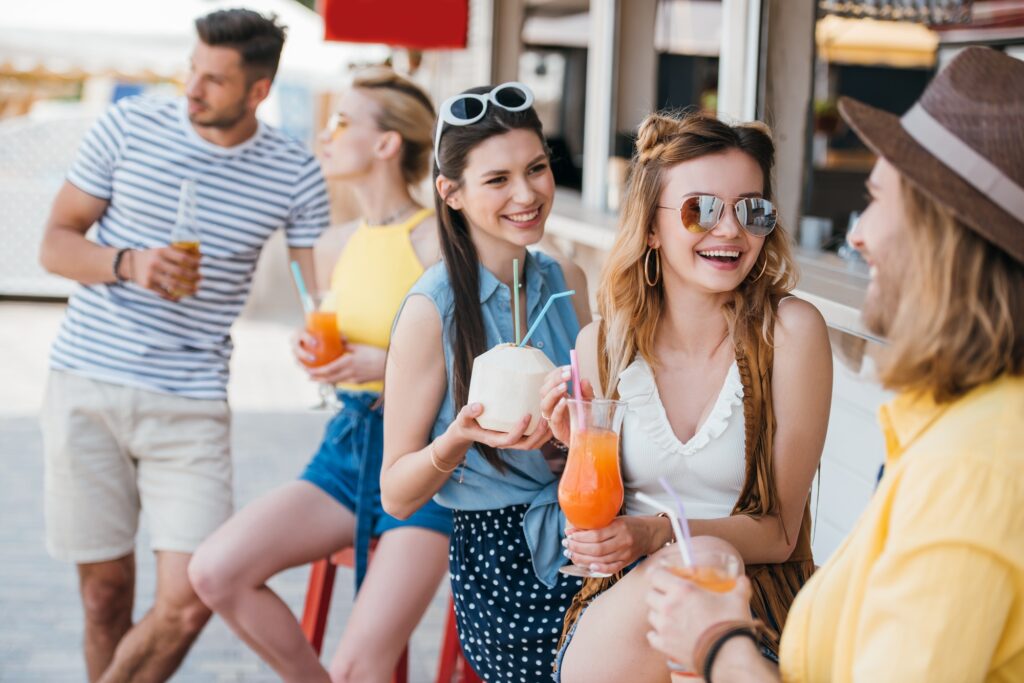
[[509, 622]]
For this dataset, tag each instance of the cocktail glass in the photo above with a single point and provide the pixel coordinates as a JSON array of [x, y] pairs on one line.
[[322, 325], [712, 571], [590, 491]]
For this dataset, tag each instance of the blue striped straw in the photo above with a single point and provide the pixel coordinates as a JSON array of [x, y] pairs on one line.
[[307, 300], [533, 327]]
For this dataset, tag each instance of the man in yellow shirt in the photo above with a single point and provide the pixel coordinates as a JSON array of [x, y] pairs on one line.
[[929, 586]]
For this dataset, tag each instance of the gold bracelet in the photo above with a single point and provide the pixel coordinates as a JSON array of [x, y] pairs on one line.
[[672, 535], [434, 458]]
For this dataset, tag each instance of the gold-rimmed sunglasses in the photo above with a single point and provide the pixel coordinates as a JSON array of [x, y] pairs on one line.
[[702, 212]]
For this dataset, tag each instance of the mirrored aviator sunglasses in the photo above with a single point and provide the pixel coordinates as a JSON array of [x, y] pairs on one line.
[[702, 212], [467, 108]]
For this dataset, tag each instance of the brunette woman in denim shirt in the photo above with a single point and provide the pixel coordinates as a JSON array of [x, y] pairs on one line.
[[494, 193]]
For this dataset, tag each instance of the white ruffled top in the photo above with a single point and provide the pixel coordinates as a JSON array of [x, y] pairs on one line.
[[707, 471]]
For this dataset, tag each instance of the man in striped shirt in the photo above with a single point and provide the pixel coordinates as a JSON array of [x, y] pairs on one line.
[[135, 415]]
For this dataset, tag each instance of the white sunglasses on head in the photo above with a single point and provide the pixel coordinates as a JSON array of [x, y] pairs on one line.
[[467, 108]]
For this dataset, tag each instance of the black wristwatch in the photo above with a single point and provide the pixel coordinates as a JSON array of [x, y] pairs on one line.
[[118, 257]]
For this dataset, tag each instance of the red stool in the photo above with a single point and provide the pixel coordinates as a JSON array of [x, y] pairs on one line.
[[452, 665]]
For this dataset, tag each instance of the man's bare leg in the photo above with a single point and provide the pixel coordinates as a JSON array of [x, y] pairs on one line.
[[108, 594], [154, 648]]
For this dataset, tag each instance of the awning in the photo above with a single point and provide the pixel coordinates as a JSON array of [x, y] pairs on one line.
[[932, 12], [868, 42], [992, 21], [402, 23]]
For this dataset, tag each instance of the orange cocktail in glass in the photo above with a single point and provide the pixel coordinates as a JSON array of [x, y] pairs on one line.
[[323, 327], [590, 491], [712, 571], [714, 578]]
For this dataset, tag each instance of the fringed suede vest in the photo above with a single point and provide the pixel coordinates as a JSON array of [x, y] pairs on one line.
[[774, 585]]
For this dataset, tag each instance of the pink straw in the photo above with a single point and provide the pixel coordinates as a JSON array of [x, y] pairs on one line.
[[577, 388], [577, 392]]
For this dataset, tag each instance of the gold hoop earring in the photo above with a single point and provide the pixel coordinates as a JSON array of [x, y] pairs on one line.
[[647, 268], [763, 268]]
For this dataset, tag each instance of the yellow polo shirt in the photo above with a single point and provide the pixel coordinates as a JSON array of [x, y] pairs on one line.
[[929, 586]]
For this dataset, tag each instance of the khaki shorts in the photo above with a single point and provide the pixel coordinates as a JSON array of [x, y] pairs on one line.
[[112, 451]]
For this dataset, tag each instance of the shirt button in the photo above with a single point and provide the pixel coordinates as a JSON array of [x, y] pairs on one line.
[[540, 345]]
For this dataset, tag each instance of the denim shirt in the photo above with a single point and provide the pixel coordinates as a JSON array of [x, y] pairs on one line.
[[527, 478]]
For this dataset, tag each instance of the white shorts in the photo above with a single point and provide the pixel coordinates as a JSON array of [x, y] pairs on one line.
[[112, 451]]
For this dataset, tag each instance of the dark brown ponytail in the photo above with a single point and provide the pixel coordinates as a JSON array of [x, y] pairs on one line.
[[465, 321]]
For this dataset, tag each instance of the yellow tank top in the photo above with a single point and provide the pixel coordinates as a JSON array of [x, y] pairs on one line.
[[370, 280]]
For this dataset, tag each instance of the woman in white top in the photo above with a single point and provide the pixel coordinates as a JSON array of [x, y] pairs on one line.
[[728, 386]]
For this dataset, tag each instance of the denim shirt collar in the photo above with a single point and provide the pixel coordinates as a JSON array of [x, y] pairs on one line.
[[526, 479], [491, 286]]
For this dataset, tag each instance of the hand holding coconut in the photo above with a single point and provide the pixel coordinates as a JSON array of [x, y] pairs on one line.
[[465, 430]]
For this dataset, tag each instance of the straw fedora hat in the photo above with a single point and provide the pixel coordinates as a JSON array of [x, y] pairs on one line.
[[962, 143]]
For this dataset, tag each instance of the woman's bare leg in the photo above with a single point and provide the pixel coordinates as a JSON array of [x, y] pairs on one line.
[[293, 525], [403, 577]]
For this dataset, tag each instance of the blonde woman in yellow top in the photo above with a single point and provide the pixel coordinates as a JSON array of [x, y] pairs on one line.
[[379, 143], [929, 586]]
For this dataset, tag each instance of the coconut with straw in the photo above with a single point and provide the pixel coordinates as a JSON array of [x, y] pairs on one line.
[[507, 379]]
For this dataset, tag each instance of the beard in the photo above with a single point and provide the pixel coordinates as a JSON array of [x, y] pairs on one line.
[[880, 306], [223, 118]]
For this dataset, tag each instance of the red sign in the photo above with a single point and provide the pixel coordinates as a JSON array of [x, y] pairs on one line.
[[419, 24]]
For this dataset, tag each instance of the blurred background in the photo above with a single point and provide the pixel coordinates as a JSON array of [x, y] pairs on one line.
[[597, 68]]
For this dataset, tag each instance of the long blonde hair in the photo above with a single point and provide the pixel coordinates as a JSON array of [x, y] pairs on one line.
[[630, 307], [959, 322], [403, 107]]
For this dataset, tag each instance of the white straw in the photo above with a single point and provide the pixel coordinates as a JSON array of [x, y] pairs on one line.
[[673, 518]]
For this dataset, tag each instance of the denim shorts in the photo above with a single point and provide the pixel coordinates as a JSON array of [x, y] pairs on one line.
[[347, 467]]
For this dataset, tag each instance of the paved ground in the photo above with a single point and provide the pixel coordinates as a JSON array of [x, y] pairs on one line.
[[274, 433]]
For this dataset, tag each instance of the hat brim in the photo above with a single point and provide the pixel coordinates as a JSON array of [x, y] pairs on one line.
[[886, 137]]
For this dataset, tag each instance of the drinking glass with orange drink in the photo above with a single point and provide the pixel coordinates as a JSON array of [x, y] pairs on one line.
[[590, 492], [710, 570], [323, 343]]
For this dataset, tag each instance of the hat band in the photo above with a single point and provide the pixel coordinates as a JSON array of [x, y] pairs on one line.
[[961, 159]]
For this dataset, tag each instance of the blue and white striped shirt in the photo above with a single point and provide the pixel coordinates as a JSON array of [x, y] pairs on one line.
[[136, 157]]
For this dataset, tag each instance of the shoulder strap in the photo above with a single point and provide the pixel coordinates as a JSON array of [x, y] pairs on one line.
[[414, 220]]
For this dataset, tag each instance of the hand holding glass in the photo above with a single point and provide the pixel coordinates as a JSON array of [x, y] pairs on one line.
[[713, 571], [590, 491], [322, 325]]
